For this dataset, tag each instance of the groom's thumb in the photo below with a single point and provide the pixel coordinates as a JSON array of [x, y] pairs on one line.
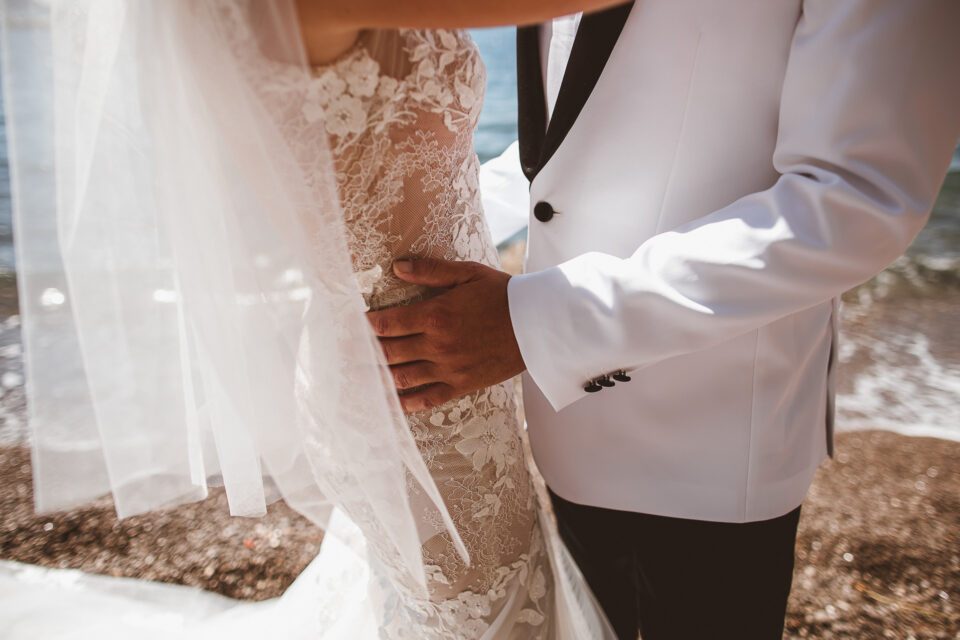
[[432, 272]]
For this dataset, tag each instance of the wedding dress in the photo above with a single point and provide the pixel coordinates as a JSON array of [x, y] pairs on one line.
[[399, 112], [386, 132]]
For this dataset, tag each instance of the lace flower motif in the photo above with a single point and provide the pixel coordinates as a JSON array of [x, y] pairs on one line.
[[485, 439], [345, 115], [339, 95], [327, 86], [363, 76]]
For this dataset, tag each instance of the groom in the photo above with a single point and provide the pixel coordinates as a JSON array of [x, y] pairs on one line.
[[706, 178]]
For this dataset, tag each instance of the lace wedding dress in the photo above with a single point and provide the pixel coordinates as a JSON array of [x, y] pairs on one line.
[[393, 120], [399, 111]]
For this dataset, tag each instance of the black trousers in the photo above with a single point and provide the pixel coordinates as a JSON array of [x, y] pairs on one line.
[[676, 579]]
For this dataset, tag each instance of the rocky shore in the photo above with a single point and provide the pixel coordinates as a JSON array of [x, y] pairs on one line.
[[878, 554]]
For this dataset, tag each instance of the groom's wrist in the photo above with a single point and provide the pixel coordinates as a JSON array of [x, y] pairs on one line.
[[544, 341]]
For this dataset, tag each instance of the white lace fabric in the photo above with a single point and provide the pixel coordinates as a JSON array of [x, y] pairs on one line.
[[398, 112]]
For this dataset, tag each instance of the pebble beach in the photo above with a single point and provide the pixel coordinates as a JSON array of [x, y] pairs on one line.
[[878, 554]]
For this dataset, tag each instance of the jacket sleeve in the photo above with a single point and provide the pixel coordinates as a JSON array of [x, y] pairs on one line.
[[869, 116]]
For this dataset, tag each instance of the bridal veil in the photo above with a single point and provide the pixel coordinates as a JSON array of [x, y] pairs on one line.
[[190, 311]]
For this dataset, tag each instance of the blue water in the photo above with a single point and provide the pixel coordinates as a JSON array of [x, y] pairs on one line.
[[498, 121]]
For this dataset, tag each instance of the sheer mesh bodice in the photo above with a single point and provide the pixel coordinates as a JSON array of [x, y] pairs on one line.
[[398, 112]]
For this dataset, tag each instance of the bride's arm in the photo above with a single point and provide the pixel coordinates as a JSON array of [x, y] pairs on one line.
[[330, 27], [440, 14]]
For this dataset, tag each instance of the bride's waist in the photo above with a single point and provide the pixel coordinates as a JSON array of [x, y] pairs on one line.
[[398, 296], [383, 290]]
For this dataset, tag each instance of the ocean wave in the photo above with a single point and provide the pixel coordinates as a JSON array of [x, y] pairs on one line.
[[905, 388]]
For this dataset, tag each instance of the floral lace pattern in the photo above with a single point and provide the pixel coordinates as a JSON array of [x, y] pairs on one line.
[[406, 170], [397, 113], [472, 447], [408, 178]]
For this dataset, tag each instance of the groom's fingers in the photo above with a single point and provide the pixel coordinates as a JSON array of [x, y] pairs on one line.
[[431, 396], [397, 321], [434, 272], [414, 374], [404, 349]]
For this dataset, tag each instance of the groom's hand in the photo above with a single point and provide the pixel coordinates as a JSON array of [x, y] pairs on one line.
[[457, 342]]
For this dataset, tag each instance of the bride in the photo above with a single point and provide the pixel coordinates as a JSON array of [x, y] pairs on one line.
[[233, 181]]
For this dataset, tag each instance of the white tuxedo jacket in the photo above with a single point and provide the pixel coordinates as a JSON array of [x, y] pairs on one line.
[[697, 205]]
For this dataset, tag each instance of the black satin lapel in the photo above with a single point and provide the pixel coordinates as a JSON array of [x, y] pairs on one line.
[[531, 100], [596, 37]]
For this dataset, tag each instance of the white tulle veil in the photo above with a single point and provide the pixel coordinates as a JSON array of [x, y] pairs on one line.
[[189, 308]]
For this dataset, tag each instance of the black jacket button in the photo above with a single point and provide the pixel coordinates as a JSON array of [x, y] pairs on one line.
[[543, 211], [621, 376], [605, 381], [592, 387]]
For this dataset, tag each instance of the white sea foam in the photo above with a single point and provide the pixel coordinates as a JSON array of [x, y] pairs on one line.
[[905, 387]]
